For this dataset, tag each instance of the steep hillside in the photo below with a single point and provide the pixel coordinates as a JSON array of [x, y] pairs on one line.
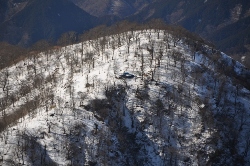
[[120, 8], [9, 8], [46, 19], [3, 6], [179, 102]]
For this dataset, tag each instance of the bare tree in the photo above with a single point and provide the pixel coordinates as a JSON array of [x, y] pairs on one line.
[[4, 77], [166, 39], [177, 56], [89, 59], [151, 52], [128, 40]]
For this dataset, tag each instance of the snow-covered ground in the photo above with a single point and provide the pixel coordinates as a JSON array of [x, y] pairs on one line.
[[67, 106]]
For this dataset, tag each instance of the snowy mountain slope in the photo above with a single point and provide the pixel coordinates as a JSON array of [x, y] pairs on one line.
[[67, 106]]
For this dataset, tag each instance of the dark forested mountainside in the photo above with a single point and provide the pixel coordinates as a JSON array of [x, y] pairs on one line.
[[3, 7], [9, 8], [46, 19], [120, 8]]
